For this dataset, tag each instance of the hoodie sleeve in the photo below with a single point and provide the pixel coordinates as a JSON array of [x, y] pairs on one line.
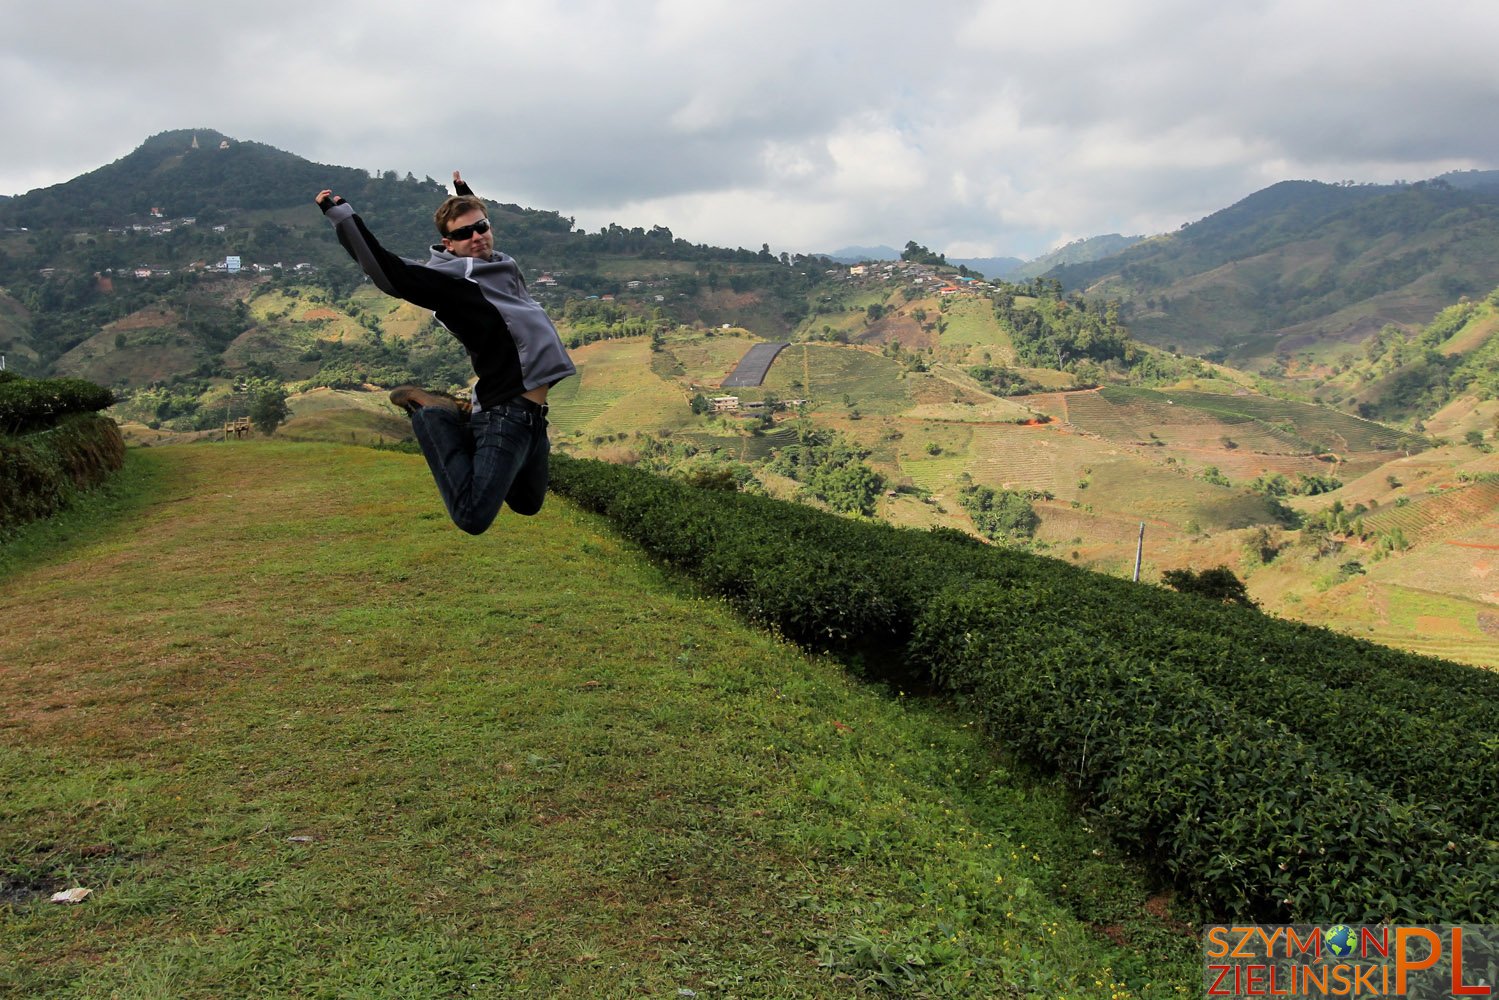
[[393, 275]]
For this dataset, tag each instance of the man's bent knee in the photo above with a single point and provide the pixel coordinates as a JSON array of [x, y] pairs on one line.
[[474, 525], [527, 507]]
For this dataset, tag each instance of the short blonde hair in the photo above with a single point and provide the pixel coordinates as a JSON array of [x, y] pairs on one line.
[[455, 206]]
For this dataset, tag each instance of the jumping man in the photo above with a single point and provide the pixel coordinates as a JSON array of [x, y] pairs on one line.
[[497, 453]]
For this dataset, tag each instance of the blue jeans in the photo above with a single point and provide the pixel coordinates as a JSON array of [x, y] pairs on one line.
[[494, 457]]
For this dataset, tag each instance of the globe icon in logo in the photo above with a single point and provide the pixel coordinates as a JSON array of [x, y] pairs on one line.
[[1340, 941]]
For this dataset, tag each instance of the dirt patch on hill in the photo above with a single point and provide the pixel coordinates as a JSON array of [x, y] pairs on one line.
[[901, 330], [732, 300], [145, 319], [938, 390], [1488, 623], [313, 315]]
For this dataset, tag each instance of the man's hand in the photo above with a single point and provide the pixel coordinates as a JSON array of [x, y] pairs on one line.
[[459, 187], [326, 199]]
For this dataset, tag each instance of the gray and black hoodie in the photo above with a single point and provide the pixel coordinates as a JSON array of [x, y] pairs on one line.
[[484, 303]]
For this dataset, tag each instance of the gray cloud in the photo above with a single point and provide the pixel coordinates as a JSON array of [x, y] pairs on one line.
[[975, 126]]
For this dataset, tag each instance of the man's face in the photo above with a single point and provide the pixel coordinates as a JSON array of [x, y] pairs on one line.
[[477, 244]]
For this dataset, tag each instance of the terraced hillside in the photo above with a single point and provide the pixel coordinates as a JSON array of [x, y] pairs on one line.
[[1437, 516]]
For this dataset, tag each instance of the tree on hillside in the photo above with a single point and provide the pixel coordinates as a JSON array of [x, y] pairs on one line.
[[1000, 515], [1217, 584], [915, 253], [268, 409]]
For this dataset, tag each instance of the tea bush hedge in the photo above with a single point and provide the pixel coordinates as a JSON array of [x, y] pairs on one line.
[[28, 404], [1278, 771], [1232, 805], [66, 447]]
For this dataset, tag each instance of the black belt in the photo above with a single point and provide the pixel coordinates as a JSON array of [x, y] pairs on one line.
[[529, 405]]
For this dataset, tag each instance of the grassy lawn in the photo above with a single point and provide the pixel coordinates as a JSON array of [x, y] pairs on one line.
[[302, 737]]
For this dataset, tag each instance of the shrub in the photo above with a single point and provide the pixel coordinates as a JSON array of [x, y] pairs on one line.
[[1246, 816], [1217, 584], [1277, 771], [29, 404], [41, 473]]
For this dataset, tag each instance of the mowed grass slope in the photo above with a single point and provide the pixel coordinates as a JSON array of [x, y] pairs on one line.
[[304, 738]]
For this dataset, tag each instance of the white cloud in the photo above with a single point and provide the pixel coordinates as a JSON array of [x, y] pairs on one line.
[[992, 125]]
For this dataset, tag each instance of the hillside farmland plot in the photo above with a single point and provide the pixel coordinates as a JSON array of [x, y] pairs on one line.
[[1124, 487], [1242, 466], [1472, 336], [1438, 624], [971, 323], [350, 424], [708, 359], [827, 373], [1465, 566], [1145, 413], [1321, 428], [1011, 456], [1429, 518], [1063, 525], [608, 371]]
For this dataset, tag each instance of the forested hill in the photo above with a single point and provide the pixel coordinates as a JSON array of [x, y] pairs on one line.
[[1305, 265], [216, 180], [186, 201]]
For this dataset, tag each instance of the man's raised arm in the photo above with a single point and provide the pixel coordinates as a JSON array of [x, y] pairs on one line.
[[393, 275]]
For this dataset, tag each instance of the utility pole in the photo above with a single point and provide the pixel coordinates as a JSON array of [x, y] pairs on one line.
[[1139, 551]]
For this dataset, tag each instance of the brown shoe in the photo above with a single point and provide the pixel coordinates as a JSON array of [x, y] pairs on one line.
[[412, 398]]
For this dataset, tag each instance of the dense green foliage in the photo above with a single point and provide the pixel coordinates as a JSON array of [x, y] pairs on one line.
[[1216, 584], [29, 404], [42, 472], [1411, 374], [1055, 330], [52, 445], [831, 470], [1000, 515], [268, 409], [1274, 770], [1256, 820]]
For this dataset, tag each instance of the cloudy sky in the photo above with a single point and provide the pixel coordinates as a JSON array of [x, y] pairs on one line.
[[975, 127]]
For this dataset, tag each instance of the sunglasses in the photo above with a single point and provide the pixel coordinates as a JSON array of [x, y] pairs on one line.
[[469, 231]]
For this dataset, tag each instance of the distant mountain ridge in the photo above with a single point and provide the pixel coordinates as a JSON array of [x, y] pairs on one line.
[[995, 268], [1471, 178], [1083, 251], [1080, 251], [860, 255], [1304, 265]]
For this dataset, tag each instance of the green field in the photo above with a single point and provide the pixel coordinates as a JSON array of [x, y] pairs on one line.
[[1289, 426], [301, 737], [971, 323], [871, 383], [344, 417]]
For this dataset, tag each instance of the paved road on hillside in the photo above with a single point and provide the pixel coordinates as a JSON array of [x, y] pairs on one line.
[[754, 366]]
